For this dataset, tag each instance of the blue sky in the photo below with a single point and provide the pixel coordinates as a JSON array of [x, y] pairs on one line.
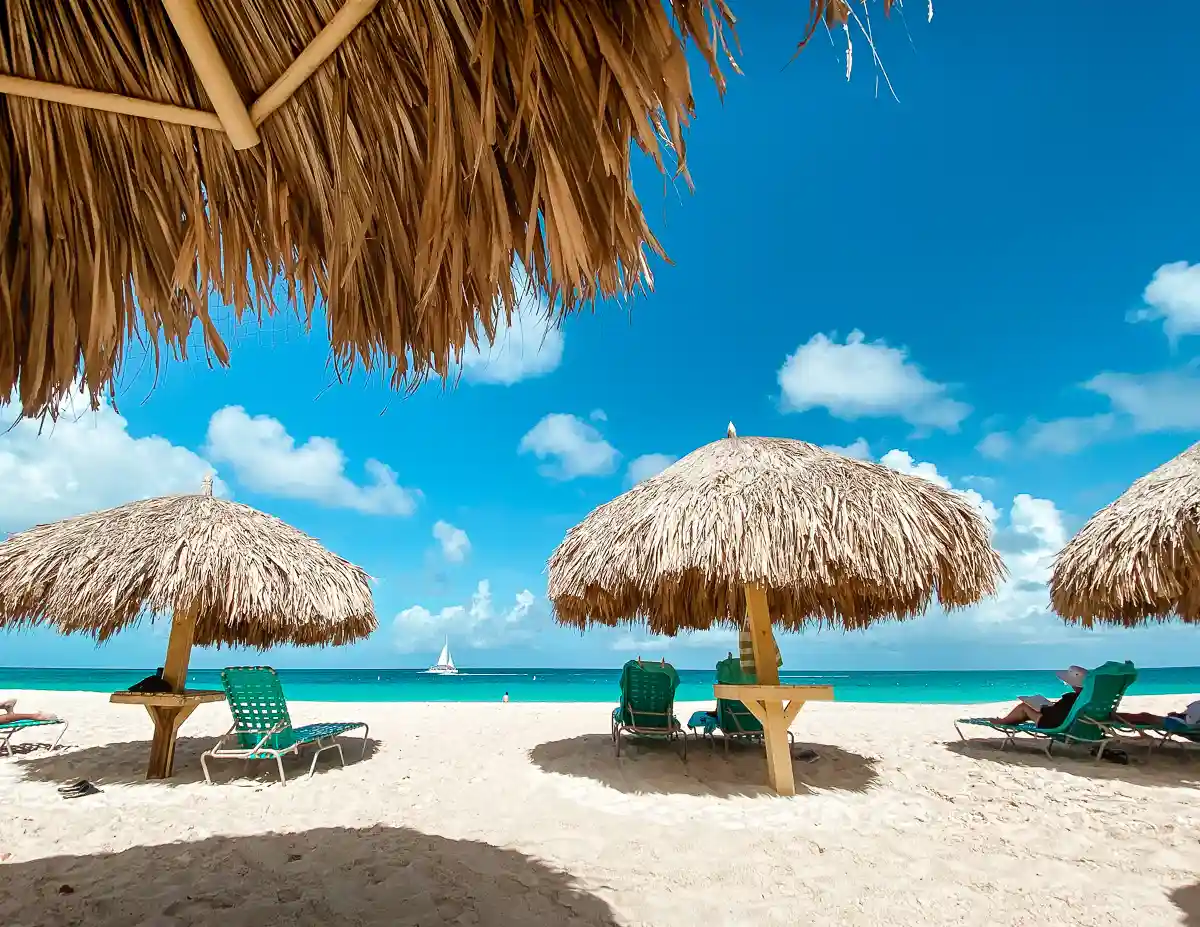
[[993, 280]]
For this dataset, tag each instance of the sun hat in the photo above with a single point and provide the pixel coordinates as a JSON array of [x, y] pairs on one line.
[[1191, 714], [1073, 676]]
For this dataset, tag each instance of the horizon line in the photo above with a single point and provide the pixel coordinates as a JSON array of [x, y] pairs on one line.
[[466, 672]]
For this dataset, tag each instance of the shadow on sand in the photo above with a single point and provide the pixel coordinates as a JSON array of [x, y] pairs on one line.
[[374, 876], [1163, 767], [655, 767], [1187, 900], [125, 763]]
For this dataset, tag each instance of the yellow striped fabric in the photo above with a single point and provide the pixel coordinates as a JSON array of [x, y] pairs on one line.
[[746, 653]]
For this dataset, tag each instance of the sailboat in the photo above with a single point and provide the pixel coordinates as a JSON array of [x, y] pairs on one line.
[[445, 664]]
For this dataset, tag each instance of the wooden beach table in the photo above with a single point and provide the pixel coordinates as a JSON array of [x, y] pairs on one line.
[[168, 710], [776, 707]]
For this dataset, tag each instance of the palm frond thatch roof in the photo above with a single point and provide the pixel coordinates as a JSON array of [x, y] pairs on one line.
[[831, 540], [159, 152], [1138, 558], [250, 578]]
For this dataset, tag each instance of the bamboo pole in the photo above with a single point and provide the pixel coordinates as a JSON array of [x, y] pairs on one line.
[[108, 102], [210, 67], [326, 42]]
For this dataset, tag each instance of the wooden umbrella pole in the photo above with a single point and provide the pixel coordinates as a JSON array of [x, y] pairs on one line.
[[210, 67], [776, 720], [327, 41], [107, 102], [168, 718]]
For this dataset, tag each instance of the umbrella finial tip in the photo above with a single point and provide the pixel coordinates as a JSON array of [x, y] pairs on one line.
[[206, 487], [731, 432]]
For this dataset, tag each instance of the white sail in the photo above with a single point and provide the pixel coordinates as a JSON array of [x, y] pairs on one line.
[[445, 663]]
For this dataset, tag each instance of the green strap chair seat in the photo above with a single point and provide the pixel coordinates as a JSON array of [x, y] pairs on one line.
[[647, 706], [8, 729], [734, 720], [262, 728], [1091, 719]]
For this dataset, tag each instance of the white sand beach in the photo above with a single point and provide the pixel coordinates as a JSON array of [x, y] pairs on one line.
[[521, 814]]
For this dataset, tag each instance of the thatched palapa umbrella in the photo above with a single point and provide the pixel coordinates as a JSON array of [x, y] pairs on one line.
[[228, 574], [392, 158], [1138, 558], [780, 531]]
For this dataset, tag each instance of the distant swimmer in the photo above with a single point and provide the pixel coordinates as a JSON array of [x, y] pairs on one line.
[[505, 697]]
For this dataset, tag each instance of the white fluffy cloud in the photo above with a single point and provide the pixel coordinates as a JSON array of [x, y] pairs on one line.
[[267, 459], [83, 462], [476, 624], [653, 647], [904, 462], [1173, 295], [996, 445], [569, 447], [859, 449], [1028, 539], [865, 379], [1033, 534], [1067, 435], [454, 541], [531, 346], [1164, 401], [646, 466]]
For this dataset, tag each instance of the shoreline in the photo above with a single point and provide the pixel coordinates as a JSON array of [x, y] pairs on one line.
[[507, 814]]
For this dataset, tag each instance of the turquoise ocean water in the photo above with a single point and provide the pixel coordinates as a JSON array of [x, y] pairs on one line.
[[575, 685]]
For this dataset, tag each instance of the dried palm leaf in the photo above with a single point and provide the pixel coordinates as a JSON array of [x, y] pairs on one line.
[[1138, 558], [249, 578], [832, 541]]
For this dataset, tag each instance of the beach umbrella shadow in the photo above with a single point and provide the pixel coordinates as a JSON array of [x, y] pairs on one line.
[[371, 876], [124, 763], [1187, 900], [654, 767], [1165, 767]]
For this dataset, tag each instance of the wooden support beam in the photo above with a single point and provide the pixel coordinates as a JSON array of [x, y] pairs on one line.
[[766, 668], [108, 102], [766, 659], [325, 43], [210, 67], [179, 651]]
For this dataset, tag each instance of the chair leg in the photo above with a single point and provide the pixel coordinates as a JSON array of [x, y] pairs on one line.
[[366, 731], [617, 740], [282, 774], [61, 730], [204, 766]]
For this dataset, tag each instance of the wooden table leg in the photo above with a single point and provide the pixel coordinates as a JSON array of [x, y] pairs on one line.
[[776, 719], [166, 729]]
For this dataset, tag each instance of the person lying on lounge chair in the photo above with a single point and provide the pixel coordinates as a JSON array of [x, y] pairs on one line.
[[1189, 717], [1039, 710], [7, 715]]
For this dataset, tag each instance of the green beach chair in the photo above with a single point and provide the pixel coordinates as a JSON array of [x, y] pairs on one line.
[[262, 728], [7, 731], [731, 717], [1171, 731], [647, 706], [1091, 720]]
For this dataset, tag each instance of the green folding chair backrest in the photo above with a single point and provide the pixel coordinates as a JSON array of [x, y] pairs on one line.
[[1102, 691], [648, 694], [257, 703], [733, 717]]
